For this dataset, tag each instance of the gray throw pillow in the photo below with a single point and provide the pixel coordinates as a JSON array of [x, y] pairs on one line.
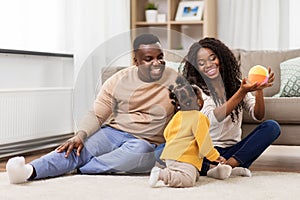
[[290, 78]]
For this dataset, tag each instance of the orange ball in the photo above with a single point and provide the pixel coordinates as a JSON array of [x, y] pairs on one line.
[[258, 74]]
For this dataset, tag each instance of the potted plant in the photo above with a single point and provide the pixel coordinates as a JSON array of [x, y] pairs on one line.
[[151, 12]]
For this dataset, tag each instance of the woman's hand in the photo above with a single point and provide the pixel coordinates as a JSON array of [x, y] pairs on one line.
[[76, 142], [270, 81], [271, 76], [248, 87]]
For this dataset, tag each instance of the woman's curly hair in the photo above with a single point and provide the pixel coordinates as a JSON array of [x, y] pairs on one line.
[[229, 70]]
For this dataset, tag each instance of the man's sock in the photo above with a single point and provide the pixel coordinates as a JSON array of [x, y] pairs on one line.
[[18, 171], [241, 171], [221, 172]]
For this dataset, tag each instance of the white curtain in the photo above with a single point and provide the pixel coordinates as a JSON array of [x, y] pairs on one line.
[[294, 14], [256, 24], [101, 37]]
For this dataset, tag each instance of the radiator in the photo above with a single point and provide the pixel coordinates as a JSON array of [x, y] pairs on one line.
[[32, 119]]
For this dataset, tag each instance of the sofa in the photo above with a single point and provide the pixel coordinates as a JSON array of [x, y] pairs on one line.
[[284, 153], [281, 106]]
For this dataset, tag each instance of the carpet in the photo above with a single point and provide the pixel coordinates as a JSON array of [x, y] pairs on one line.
[[262, 185]]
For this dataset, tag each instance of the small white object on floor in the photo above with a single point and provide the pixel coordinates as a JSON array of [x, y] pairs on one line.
[[154, 175], [221, 171], [17, 170], [241, 171]]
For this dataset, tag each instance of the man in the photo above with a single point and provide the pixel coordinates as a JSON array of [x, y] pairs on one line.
[[127, 122]]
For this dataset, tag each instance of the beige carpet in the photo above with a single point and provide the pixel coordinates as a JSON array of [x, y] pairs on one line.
[[262, 185]]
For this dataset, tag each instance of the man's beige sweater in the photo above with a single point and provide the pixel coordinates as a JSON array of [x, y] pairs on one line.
[[126, 103]]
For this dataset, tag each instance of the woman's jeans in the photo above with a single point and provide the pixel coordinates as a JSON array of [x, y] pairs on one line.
[[108, 150], [247, 150]]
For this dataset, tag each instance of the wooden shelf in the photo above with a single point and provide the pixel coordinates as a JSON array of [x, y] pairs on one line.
[[174, 34], [143, 23], [186, 22]]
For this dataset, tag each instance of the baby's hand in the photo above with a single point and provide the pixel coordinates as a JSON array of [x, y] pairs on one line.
[[221, 160]]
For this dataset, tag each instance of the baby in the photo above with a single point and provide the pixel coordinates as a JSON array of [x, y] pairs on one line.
[[187, 140]]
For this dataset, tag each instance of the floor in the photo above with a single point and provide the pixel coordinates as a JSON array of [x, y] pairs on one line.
[[284, 160]]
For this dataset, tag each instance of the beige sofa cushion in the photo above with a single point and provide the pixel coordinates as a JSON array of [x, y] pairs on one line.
[[289, 133], [284, 110], [266, 58], [237, 54], [109, 71]]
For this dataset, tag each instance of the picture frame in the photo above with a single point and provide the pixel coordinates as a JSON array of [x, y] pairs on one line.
[[189, 11]]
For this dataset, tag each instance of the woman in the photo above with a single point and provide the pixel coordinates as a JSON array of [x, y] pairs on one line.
[[212, 66]]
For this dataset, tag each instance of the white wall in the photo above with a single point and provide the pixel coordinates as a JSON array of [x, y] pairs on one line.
[[31, 71]]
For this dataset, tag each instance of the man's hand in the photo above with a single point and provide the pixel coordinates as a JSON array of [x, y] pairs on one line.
[[76, 142]]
